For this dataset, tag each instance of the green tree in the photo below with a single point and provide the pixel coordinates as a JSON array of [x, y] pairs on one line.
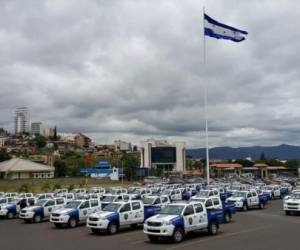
[[60, 168], [46, 186], [4, 156], [292, 164], [130, 164], [39, 141], [245, 163]]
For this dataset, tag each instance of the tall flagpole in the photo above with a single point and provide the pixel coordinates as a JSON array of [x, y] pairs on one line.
[[205, 104]]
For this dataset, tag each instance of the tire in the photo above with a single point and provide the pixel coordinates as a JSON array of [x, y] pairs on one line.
[[227, 217], [261, 205], [178, 235], [37, 219], [72, 223], [288, 212], [245, 208], [112, 228], [134, 226], [153, 238], [10, 215], [213, 228], [95, 231], [58, 225]]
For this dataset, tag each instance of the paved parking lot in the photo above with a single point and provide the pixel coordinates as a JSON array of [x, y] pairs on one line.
[[257, 229]]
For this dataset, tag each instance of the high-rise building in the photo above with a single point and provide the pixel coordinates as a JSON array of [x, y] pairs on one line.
[[22, 120], [36, 128]]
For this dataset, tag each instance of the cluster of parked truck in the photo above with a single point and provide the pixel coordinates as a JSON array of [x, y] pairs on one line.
[[164, 210]]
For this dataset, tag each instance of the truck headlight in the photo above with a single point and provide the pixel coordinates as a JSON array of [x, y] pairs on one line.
[[167, 223]]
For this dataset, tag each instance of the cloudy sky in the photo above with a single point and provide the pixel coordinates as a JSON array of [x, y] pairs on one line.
[[133, 69]]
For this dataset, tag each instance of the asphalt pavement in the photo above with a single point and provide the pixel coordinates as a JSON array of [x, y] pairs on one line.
[[267, 229]]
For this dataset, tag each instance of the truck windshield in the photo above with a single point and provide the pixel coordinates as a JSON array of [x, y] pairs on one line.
[[109, 198], [172, 210], [239, 194], [268, 188], [204, 193], [73, 204], [295, 196], [148, 200], [2, 201], [198, 199], [112, 207], [41, 202]]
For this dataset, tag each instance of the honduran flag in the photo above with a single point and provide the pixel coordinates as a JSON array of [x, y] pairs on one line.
[[219, 30]]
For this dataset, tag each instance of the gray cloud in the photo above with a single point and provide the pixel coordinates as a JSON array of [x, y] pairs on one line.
[[134, 69]]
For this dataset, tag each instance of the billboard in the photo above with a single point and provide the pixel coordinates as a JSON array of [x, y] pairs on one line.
[[163, 155]]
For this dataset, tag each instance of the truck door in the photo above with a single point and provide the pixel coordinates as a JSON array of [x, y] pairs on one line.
[[217, 203], [209, 204], [59, 203], [190, 219], [255, 199], [95, 206], [125, 214], [49, 208], [249, 199], [201, 216], [83, 210], [137, 213]]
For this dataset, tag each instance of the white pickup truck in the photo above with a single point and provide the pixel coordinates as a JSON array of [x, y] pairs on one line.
[[41, 210], [291, 203], [74, 212], [11, 209], [178, 219], [119, 214], [247, 199]]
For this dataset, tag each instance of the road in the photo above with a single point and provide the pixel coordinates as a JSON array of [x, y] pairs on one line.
[[254, 230]]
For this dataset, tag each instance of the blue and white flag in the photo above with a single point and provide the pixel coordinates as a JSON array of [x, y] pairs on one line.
[[219, 30]]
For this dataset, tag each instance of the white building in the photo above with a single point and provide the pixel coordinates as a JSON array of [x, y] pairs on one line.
[[22, 120], [36, 128], [122, 145], [161, 153], [2, 141]]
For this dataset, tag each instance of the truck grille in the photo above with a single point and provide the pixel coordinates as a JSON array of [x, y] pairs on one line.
[[55, 215], [153, 231], [93, 219], [154, 224], [292, 204]]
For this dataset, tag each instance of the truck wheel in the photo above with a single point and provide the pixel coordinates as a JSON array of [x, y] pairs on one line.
[[227, 217], [10, 215], [213, 228], [112, 228], [287, 212], [261, 205], [72, 222], [245, 207], [177, 235], [37, 219], [95, 231], [153, 238], [57, 225]]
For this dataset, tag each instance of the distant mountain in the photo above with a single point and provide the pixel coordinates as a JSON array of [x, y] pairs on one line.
[[282, 152]]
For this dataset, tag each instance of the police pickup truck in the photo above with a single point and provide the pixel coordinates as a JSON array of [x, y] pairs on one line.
[[74, 212], [118, 214], [41, 210], [11, 209], [291, 203], [154, 200], [273, 191], [178, 219], [247, 199], [215, 203]]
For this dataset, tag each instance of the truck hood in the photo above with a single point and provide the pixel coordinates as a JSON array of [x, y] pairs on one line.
[[32, 209], [65, 210], [162, 218], [236, 199], [103, 214], [7, 206], [292, 200]]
